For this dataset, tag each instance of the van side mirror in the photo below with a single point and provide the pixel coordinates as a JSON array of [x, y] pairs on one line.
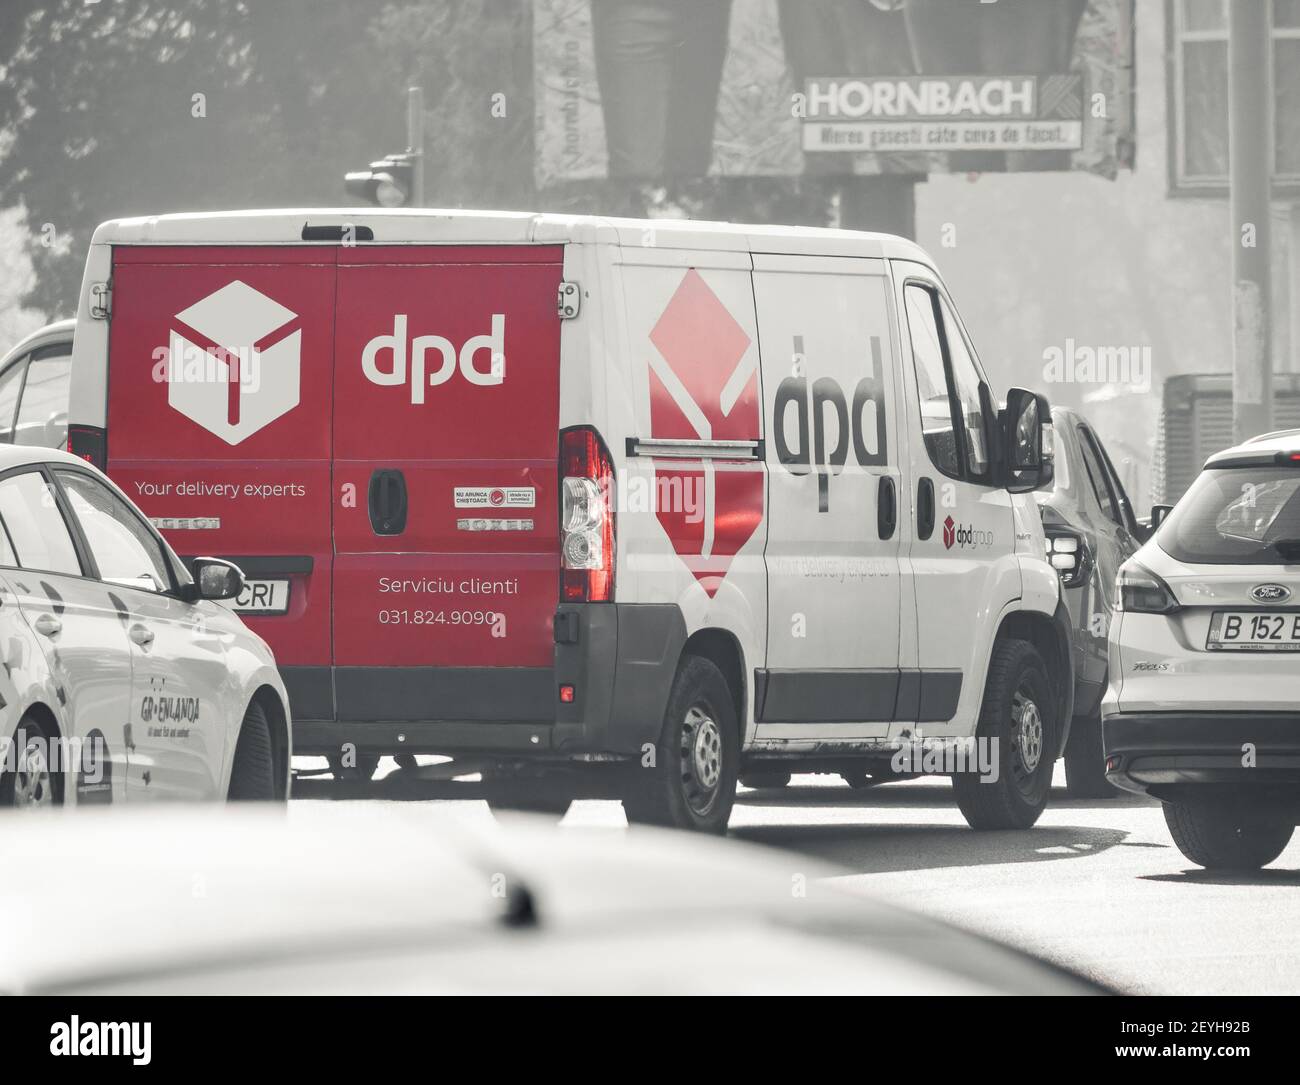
[[215, 579], [1028, 448], [1159, 513]]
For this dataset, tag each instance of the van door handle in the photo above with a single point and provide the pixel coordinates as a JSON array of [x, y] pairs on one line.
[[886, 507], [387, 500], [925, 508], [47, 625], [142, 636]]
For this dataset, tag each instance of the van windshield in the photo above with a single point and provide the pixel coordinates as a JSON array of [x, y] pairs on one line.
[[1237, 516]]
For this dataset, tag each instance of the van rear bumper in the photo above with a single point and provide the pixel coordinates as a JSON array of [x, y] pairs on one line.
[[619, 658]]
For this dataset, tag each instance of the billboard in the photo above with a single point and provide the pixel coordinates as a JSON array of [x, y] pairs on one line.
[[656, 90]]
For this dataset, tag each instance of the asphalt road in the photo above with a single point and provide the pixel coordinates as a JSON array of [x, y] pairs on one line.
[[1096, 886]]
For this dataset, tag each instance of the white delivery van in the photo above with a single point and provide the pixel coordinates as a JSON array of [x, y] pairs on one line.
[[597, 506]]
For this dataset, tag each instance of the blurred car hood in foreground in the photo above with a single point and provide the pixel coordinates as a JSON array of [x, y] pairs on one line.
[[343, 899]]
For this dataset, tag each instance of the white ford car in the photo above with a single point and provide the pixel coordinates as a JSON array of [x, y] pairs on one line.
[[1203, 709], [123, 677]]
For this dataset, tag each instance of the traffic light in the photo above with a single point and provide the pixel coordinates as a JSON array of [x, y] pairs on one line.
[[387, 183]]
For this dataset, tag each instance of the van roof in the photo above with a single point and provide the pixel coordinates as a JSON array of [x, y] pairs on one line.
[[431, 226]]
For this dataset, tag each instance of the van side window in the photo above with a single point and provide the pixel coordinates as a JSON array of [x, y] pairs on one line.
[[948, 382], [11, 383], [931, 380], [966, 380]]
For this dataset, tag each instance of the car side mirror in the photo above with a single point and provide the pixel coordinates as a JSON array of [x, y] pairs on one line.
[[216, 579], [1028, 445], [1159, 513]]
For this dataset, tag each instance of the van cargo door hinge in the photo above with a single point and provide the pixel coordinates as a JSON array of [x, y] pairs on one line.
[[101, 301], [569, 301]]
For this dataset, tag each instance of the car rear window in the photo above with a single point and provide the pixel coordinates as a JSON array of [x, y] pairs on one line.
[[1237, 516]]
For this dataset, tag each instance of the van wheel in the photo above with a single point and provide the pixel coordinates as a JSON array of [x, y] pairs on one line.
[[32, 784], [1018, 717], [1222, 837], [1085, 763], [765, 778], [252, 776], [692, 784]]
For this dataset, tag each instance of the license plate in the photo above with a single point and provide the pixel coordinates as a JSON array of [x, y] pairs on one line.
[[1254, 631], [262, 597]]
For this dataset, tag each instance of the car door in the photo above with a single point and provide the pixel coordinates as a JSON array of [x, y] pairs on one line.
[[81, 624], [179, 686], [1114, 544], [834, 596], [961, 555]]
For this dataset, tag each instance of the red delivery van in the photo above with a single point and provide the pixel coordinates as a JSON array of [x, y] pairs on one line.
[[618, 506]]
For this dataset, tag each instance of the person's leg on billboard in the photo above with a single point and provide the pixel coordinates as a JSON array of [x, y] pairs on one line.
[[634, 42], [698, 57], [1030, 37]]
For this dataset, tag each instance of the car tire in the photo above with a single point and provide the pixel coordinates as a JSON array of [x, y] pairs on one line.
[[1018, 714], [555, 806], [765, 779], [32, 784], [1085, 762], [692, 784], [1222, 837], [252, 776]]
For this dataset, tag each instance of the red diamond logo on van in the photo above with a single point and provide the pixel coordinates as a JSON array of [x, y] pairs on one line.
[[704, 386]]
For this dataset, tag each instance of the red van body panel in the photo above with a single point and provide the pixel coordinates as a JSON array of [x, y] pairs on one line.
[[281, 404]]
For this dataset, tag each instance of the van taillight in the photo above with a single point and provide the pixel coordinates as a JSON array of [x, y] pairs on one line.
[[586, 518], [90, 443]]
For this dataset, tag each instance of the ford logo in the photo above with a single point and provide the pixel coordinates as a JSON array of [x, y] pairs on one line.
[[1270, 593]]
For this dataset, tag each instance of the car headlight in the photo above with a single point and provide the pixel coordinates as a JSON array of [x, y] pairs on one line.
[[1069, 555]]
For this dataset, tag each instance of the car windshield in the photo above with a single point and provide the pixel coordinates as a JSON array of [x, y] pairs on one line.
[[1230, 516]]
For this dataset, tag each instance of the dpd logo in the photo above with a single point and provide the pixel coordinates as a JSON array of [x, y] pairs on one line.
[[860, 423], [249, 353]]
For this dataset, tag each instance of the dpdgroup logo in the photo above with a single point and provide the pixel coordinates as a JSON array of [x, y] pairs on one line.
[[234, 362], [964, 536]]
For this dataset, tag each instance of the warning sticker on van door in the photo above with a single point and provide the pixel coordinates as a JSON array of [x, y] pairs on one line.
[[495, 497]]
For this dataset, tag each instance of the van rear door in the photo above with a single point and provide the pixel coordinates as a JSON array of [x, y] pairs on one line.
[[220, 400], [446, 430]]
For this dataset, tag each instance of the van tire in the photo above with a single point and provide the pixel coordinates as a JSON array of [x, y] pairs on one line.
[[1019, 714], [22, 787], [252, 776], [692, 784], [1222, 837], [1085, 762]]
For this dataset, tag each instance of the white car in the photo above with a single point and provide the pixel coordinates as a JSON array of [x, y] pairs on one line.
[[1203, 709], [123, 677]]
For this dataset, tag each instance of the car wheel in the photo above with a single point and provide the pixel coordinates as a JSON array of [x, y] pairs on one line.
[[692, 784], [1222, 837], [766, 778], [32, 783], [252, 776], [1085, 763], [1018, 719]]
